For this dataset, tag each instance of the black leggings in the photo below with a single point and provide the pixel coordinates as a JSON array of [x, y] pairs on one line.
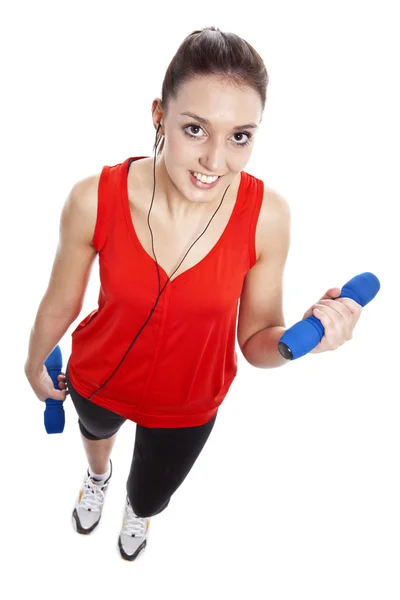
[[162, 457]]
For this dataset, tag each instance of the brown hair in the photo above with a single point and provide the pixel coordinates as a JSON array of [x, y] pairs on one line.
[[211, 51]]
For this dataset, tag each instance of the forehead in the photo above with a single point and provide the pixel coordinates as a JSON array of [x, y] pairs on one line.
[[217, 99]]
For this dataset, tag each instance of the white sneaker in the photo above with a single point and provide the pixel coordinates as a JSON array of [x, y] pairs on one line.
[[134, 533], [89, 505]]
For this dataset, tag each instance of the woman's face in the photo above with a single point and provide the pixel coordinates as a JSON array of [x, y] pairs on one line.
[[221, 147]]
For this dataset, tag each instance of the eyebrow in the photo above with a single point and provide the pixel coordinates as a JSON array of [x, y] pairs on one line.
[[207, 122]]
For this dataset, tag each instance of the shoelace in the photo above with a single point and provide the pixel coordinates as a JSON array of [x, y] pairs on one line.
[[133, 525], [93, 495]]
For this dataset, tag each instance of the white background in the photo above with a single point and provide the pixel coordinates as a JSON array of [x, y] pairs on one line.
[[296, 493]]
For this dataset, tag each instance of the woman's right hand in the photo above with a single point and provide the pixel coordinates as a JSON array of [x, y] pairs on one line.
[[43, 386]]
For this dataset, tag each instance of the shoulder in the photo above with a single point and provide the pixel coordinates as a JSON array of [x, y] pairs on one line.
[[274, 222], [82, 203]]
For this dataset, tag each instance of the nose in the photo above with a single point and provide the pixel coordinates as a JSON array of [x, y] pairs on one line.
[[213, 159]]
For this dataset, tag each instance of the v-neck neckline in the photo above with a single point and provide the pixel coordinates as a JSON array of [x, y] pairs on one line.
[[132, 230]]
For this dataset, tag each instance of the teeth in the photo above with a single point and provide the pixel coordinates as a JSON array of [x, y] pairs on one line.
[[203, 178]]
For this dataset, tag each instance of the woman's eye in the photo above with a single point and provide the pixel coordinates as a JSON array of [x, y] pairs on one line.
[[197, 127], [248, 138], [194, 127]]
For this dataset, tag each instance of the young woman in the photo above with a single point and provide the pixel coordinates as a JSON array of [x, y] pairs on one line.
[[182, 238]]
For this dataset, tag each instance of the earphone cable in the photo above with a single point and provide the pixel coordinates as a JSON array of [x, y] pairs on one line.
[[158, 270]]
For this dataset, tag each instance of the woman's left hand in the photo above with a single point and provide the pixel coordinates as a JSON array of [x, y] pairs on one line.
[[338, 316]]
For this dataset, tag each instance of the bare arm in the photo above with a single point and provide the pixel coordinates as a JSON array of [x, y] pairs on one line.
[[73, 262], [261, 321], [46, 332]]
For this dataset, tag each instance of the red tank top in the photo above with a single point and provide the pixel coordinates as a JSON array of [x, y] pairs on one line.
[[183, 362]]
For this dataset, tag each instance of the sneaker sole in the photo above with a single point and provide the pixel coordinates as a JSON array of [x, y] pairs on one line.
[[78, 527], [131, 557]]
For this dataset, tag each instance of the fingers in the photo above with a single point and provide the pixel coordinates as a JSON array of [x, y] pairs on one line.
[[62, 382], [331, 293], [336, 314], [340, 308], [352, 305], [344, 306]]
